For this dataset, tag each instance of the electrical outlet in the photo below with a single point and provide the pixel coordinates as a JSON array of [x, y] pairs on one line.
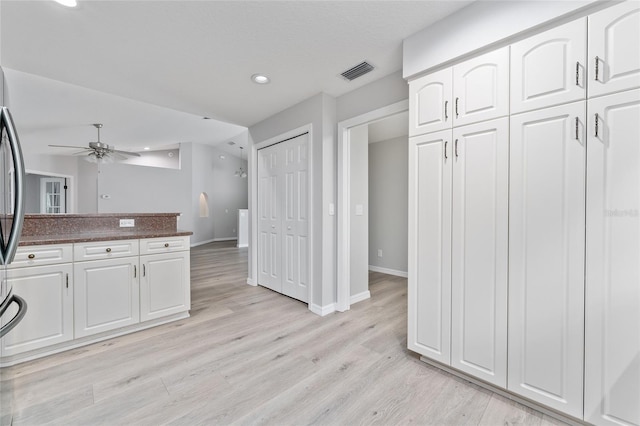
[[379, 252], [127, 223]]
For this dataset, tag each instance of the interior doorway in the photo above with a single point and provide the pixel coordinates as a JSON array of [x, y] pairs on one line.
[[353, 202], [49, 193]]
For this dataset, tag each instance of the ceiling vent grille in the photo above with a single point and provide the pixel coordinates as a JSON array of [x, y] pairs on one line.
[[357, 71]]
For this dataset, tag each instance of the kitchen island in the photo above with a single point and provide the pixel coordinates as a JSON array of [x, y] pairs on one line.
[[88, 278]]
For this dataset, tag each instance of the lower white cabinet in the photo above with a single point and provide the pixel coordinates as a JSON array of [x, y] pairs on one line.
[[49, 317], [546, 256], [107, 295], [164, 284], [612, 333]]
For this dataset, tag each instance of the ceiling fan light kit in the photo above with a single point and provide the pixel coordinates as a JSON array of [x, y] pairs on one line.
[[99, 152]]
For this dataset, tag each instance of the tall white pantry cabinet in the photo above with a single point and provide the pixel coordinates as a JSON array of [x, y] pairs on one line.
[[524, 217]]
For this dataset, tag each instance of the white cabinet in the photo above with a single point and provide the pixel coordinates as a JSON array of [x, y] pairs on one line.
[[612, 335], [546, 256], [49, 317], [164, 285], [106, 295], [105, 250], [473, 91], [479, 250], [481, 88], [430, 103], [549, 68], [613, 49], [430, 178]]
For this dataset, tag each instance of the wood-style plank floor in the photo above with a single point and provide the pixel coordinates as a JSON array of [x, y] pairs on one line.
[[250, 356]]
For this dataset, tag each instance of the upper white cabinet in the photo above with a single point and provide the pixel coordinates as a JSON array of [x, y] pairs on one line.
[[613, 49], [479, 250], [549, 68], [481, 88], [430, 103], [430, 168], [546, 256], [612, 370]]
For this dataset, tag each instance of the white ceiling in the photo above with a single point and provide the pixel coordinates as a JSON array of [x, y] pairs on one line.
[[197, 56]]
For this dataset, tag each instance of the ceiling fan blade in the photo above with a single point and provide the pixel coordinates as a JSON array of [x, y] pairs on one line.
[[81, 152], [116, 155], [69, 146], [132, 154]]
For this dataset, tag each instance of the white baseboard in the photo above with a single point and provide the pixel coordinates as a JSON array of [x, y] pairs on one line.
[[388, 271], [250, 281], [360, 297], [199, 243], [225, 239], [242, 245], [322, 310]]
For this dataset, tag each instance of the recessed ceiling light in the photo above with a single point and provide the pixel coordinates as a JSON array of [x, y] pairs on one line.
[[146, 148], [68, 3], [260, 79], [222, 157]]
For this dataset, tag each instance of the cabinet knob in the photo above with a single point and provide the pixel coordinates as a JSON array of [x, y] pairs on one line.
[[32, 256], [166, 244], [108, 250]]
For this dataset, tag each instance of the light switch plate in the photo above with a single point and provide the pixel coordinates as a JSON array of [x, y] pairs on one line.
[[127, 223]]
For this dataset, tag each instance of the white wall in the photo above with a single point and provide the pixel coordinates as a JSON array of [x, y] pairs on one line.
[[377, 94], [478, 26], [55, 165], [388, 203], [320, 112], [359, 223]]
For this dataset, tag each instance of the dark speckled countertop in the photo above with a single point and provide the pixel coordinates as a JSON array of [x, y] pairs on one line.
[[76, 228]]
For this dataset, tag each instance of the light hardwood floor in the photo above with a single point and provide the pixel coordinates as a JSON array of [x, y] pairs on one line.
[[250, 356]]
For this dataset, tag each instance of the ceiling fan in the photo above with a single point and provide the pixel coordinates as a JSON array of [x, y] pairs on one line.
[[99, 152]]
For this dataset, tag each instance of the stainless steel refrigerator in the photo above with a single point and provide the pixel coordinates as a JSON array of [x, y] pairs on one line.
[[12, 307]]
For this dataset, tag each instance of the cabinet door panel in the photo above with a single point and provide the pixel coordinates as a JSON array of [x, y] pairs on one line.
[[430, 245], [479, 261], [430, 103], [546, 257], [49, 318], [481, 88], [612, 370], [164, 285], [107, 295], [614, 35], [543, 68]]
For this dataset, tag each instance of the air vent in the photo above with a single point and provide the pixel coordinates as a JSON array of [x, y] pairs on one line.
[[357, 71]]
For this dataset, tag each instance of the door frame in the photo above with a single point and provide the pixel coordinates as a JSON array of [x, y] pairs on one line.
[[253, 202], [71, 199], [343, 293]]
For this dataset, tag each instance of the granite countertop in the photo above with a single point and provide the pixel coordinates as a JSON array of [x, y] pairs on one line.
[[93, 236]]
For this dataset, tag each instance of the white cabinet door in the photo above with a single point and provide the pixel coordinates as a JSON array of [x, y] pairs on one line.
[[430, 103], [612, 369], [107, 295], [269, 219], [49, 318], [481, 88], [430, 168], [549, 68], [164, 285], [614, 49], [479, 251], [546, 256]]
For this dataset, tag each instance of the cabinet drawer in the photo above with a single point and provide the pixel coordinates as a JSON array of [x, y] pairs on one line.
[[42, 255], [105, 250], [163, 245]]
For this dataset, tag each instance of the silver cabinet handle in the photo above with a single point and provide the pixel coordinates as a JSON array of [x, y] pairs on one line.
[[597, 67], [6, 122], [445, 149], [596, 124], [457, 107], [446, 108], [144, 270], [135, 271], [456, 147], [577, 73], [67, 280], [577, 135]]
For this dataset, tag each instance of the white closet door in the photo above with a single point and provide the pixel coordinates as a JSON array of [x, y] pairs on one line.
[[614, 37], [430, 168], [549, 68], [430, 103], [295, 217], [481, 88], [480, 243], [612, 370], [269, 219], [546, 256]]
